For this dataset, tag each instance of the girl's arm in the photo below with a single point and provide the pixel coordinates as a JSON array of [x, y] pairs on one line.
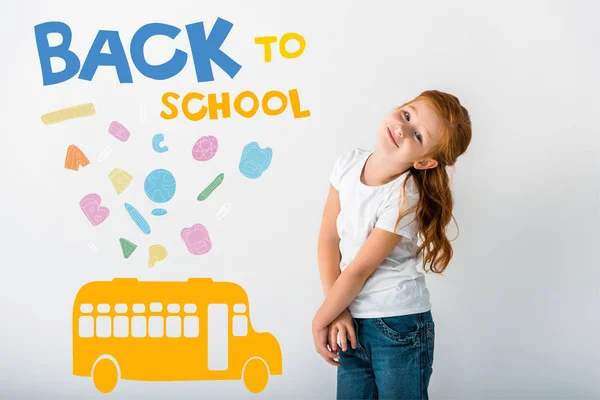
[[328, 246], [377, 247]]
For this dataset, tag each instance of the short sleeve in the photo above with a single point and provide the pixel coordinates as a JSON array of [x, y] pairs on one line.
[[390, 211], [335, 176]]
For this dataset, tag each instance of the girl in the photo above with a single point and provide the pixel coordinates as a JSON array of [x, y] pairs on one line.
[[385, 214]]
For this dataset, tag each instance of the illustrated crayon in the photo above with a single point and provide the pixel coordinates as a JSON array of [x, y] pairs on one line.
[[210, 188]]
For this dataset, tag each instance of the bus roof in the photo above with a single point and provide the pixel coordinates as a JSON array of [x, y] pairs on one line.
[[132, 290]]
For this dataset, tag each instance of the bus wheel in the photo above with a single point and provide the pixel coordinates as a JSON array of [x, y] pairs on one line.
[[105, 375], [256, 375]]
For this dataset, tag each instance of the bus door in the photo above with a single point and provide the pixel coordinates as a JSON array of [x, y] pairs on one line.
[[218, 337]]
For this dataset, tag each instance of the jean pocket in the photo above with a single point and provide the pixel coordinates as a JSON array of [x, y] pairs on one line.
[[430, 332], [402, 329], [360, 350]]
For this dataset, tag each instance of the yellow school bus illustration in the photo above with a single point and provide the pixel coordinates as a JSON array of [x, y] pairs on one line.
[[169, 331]]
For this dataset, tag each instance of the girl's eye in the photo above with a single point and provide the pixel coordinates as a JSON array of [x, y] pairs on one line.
[[419, 138]]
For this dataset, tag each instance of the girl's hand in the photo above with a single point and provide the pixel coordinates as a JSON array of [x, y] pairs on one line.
[[344, 325], [320, 337]]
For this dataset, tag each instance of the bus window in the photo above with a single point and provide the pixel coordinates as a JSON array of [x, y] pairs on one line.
[[239, 308], [121, 327], [189, 308], [139, 308], [86, 326], [86, 308], [191, 323], [103, 326], [121, 308], [103, 308], [173, 326], [173, 321], [191, 326], [155, 307], [240, 322], [240, 325], [138, 326], [155, 326]]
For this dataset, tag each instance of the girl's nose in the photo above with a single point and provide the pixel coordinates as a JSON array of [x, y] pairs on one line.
[[398, 130]]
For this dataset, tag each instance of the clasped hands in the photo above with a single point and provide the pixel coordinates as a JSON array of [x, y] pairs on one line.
[[325, 337]]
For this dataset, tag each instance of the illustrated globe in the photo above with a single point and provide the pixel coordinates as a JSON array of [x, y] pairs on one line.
[[205, 148], [160, 185]]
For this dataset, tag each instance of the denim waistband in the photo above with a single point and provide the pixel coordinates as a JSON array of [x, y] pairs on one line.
[[425, 316]]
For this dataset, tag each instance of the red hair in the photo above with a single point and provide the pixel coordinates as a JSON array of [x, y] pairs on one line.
[[434, 208]]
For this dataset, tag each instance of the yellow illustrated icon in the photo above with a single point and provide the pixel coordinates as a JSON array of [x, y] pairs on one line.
[[120, 179], [65, 114], [156, 253], [197, 329]]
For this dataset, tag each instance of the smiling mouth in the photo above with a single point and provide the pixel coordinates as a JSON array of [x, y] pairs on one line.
[[391, 137]]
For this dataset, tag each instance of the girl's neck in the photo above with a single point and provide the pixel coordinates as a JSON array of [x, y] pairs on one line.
[[377, 171]]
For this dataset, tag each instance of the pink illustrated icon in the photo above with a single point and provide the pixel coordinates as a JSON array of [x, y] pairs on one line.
[[90, 205], [205, 148], [196, 239], [119, 131]]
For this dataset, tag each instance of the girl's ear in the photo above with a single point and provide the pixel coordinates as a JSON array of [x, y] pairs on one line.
[[425, 164]]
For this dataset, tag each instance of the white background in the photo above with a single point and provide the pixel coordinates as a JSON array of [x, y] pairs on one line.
[[517, 310]]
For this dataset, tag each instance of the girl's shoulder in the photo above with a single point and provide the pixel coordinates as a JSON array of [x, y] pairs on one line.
[[344, 163], [403, 186], [352, 156]]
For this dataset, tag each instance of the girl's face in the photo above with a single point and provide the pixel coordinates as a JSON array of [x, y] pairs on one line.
[[407, 134]]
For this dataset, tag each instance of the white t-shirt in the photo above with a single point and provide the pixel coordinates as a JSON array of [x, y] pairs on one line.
[[397, 287]]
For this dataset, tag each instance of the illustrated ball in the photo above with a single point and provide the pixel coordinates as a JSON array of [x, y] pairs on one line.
[[205, 148], [160, 186]]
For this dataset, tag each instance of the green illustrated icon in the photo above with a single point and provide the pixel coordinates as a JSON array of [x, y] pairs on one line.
[[210, 188], [127, 247]]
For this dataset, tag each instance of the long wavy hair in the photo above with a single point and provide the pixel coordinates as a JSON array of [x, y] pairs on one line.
[[434, 208]]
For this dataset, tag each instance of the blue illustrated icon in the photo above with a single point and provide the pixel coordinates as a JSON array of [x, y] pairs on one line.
[[255, 160], [138, 219], [160, 186], [159, 211], [156, 143]]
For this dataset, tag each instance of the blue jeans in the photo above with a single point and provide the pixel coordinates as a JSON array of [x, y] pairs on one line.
[[393, 358]]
